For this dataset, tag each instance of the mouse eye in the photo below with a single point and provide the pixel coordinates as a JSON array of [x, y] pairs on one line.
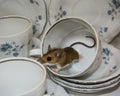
[[49, 58]]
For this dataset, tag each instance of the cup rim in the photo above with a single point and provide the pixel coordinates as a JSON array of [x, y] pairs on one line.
[[33, 61], [21, 17], [96, 38]]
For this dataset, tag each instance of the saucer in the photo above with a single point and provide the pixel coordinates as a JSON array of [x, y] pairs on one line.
[[85, 86], [105, 19], [85, 90], [108, 69], [105, 77], [33, 9]]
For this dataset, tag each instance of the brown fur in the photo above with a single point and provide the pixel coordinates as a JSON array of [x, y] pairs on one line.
[[65, 56]]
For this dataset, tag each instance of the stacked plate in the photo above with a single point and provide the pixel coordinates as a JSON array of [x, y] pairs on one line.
[[105, 77]]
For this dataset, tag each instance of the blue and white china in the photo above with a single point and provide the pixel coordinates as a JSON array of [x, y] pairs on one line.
[[14, 36], [108, 69], [43, 17], [68, 31], [104, 15], [36, 10], [106, 76]]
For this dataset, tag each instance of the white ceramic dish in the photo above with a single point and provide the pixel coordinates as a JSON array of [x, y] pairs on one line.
[[105, 19], [89, 90], [33, 9], [103, 77], [15, 34], [68, 31], [55, 89], [22, 77], [109, 68], [86, 86]]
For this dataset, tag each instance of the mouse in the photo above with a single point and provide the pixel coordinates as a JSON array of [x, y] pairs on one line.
[[63, 56]]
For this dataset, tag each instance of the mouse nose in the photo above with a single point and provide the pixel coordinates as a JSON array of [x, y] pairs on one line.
[[41, 60]]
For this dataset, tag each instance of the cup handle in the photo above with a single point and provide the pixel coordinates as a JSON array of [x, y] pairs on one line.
[[37, 51], [46, 95]]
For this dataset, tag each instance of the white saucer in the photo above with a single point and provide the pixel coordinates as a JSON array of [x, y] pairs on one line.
[[104, 15], [86, 86], [89, 90]]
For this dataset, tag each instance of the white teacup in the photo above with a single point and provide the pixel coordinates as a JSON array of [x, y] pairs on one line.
[[15, 33], [20, 76], [66, 32]]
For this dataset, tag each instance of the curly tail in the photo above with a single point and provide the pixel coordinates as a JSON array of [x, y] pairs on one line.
[[84, 43]]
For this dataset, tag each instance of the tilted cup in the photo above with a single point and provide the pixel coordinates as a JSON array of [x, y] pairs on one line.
[[64, 33], [15, 33]]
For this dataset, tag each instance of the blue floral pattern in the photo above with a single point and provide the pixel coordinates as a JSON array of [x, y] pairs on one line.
[[106, 55], [103, 30], [38, 18], [11, 48], [34, 46], [34, 2], [60, 14], [114, 68], [36, 27], [114, 8], [36, 24]]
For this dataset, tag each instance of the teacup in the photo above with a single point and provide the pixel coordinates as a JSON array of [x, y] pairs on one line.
[[15, 33], [21, 76], [70, 30]]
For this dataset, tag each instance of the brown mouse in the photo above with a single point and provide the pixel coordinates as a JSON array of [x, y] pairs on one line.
[[63, 56]]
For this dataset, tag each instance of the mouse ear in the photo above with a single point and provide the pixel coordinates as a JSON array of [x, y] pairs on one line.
[[59, 54], [49, 48]]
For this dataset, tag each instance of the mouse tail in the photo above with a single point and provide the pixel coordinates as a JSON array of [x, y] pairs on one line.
[[84, 43]]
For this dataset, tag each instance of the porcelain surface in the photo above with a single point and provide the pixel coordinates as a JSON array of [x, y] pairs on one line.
[[105, 19], [68, 31], [107, 76], [108, 69], [33, 9], [86, 86], [14, 36], [22, 76], [57, 9], [89, 90]]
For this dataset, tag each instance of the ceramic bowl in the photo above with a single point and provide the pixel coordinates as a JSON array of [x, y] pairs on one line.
[[22, 77], [68, 31]]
